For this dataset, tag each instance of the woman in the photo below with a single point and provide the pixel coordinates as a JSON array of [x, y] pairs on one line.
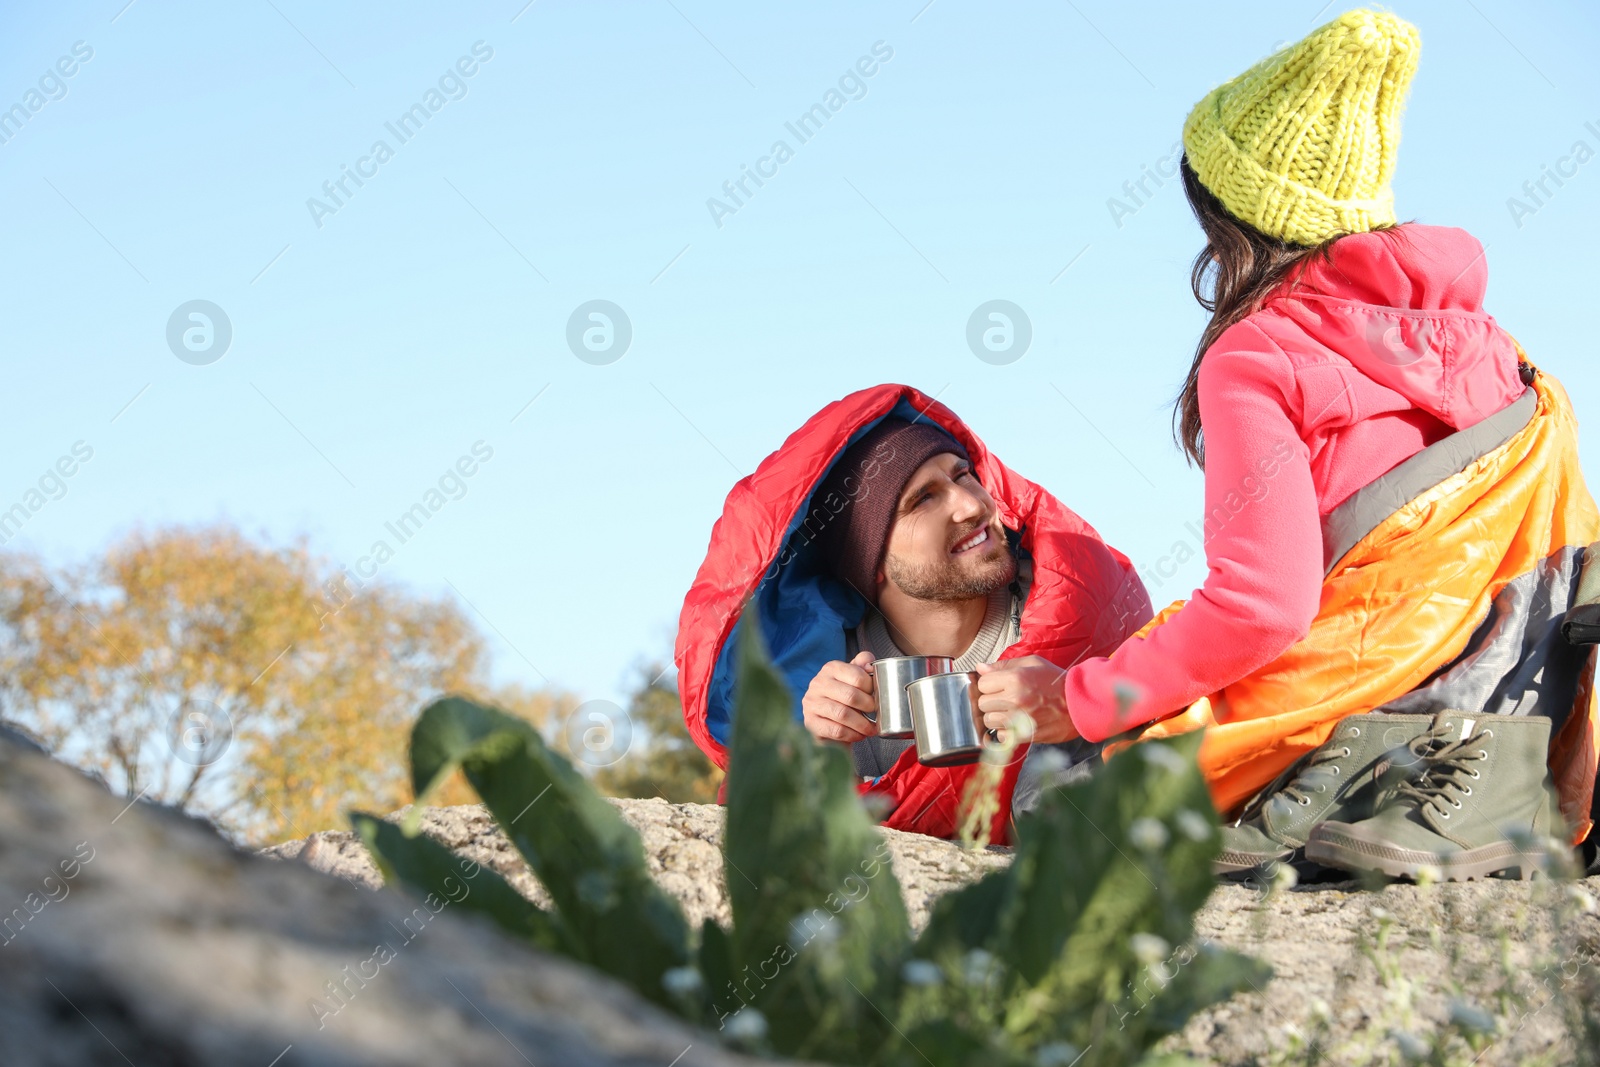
[[1394, 510]]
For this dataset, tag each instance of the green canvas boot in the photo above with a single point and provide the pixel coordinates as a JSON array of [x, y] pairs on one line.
[[1479, 803], [1341, 779]]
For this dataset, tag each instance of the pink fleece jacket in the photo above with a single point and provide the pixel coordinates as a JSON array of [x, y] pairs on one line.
[[1372, 357]]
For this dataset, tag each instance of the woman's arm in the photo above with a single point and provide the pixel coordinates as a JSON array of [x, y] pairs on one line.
[[1263, 544]]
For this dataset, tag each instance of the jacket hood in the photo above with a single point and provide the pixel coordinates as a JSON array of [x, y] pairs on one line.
[[1405, 307]]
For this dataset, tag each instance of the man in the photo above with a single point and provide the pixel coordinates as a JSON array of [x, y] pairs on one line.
[[886, 525], [918, 536]]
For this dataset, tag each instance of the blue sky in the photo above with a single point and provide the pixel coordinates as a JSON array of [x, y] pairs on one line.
[[374, 345]]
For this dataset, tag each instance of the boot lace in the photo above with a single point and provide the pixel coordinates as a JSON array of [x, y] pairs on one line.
[[1299, 781], [1447, 770]]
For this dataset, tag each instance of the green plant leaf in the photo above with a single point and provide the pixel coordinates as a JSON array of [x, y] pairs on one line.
[[432, 869], [967, 918], [1086, 875], [723, 996], [1107, 865], [449, 732], [818, 916], [943, 1044], [1087, 928], [1211, 977], [1084, 941], [589, 859]]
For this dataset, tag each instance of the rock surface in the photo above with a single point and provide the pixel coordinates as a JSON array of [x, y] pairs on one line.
[[1357, 972], [130, 935], [682, 844], [1491, 972]]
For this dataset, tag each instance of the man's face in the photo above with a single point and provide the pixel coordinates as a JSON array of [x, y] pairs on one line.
[[946, 542]]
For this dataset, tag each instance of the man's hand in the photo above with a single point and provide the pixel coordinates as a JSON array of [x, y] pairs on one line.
[[1030, 684], [839, 699]]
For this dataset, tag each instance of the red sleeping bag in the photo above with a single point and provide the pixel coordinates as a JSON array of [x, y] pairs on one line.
[[1084, 601]]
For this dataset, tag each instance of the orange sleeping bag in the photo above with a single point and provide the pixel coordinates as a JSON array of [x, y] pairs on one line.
[[1449, 597]]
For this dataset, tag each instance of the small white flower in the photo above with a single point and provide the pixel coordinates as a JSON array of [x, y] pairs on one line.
[[1581, 897], [1284, 877], [1471, 1018], [747, 1024], [1321, 1010], [1148, 834], [1126, 695], [682, 981], [921, 972], [1158, 755], [1193, 825], [1050, 760], [1525, 839], [1057, 1054], [878, 806], [817, 925], [1411, 1046], [978, 967], [1149, 948]]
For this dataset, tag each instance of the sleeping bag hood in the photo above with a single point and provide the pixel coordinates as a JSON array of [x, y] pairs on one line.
[[1085, 597]]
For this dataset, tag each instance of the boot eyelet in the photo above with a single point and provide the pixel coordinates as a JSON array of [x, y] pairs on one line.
[[1346, 751], [1486, 733], [1466, 790], [1355, 731], [1337, 769], [1305, 802], [1475, 774], [1455, 804], [1444, 814], [1322, 789]]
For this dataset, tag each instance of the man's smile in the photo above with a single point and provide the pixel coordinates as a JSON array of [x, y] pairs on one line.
[[973, 541]]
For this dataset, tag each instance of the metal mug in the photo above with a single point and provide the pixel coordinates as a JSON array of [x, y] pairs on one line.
[[893, 675], [944, 713]]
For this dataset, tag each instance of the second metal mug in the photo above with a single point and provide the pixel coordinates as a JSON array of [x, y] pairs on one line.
[[944, 712], [893, 674]]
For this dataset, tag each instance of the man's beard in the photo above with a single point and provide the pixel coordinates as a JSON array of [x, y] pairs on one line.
[[952, 579]]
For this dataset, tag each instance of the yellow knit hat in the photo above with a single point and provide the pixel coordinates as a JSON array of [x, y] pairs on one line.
[[1302, 145]]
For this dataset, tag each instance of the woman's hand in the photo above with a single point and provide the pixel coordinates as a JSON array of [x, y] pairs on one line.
[[1028, 684], [839, 699]]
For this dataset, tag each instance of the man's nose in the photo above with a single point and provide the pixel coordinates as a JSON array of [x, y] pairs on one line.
[[968, 505]]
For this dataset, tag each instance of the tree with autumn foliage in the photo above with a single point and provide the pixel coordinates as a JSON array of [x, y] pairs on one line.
[[258, 687], [197, 668]]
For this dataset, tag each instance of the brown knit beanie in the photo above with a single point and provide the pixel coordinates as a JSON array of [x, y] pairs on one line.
[[856, 502]]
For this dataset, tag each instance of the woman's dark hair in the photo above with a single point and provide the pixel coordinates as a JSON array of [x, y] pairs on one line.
[[1233, 275]]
